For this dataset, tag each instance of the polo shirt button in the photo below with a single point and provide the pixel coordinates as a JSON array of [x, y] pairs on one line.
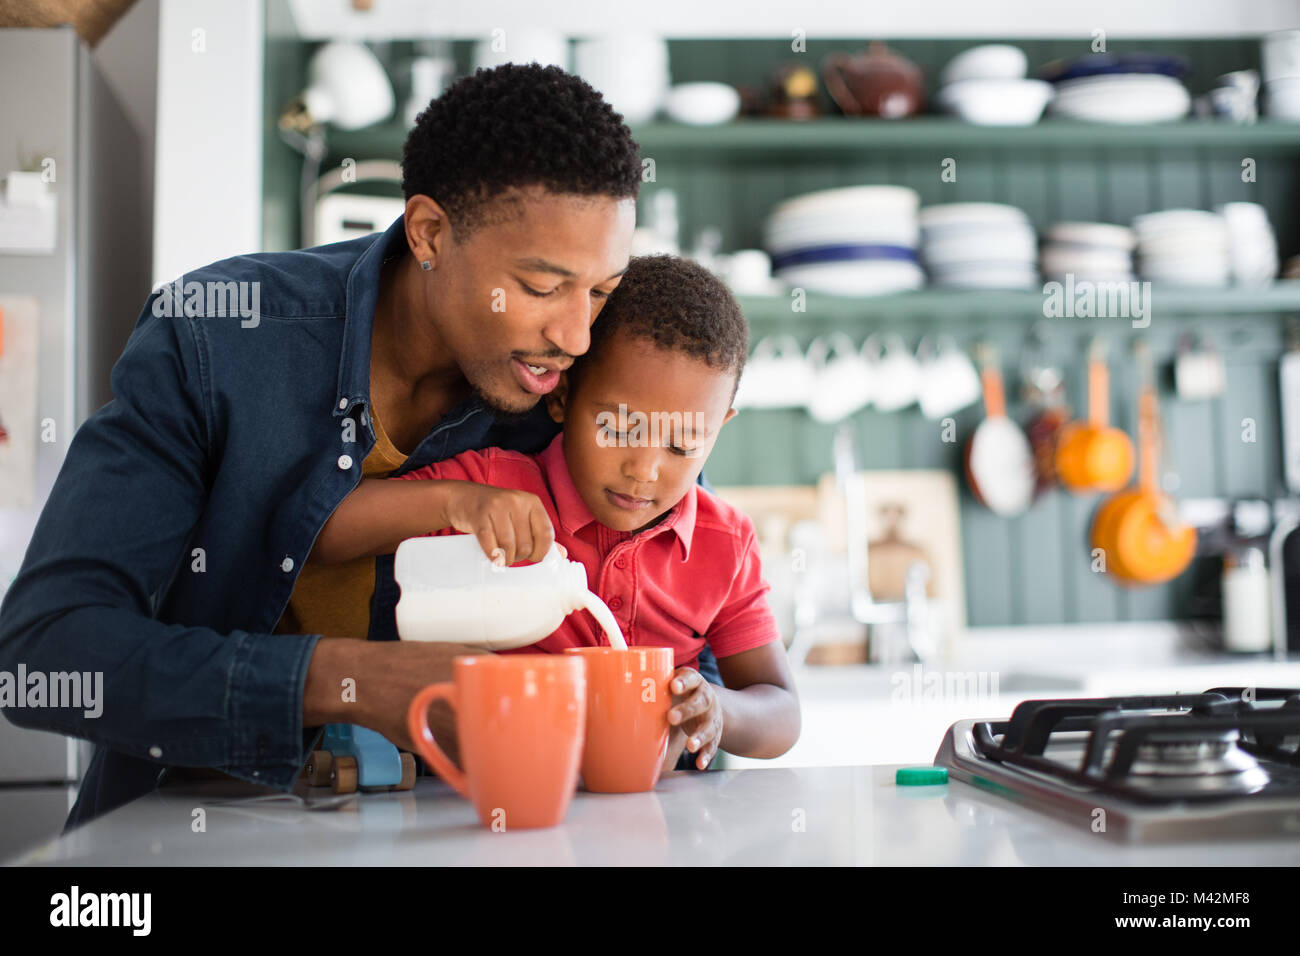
[[345, 462], [343, 403], [155, 751], [620, 562], [287, 564], [615, 603]]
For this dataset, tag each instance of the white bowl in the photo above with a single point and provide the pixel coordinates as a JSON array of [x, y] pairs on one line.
[[702, 104], [992, 61], [997, 102]]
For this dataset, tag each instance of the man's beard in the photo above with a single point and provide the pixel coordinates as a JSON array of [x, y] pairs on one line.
[[508, 416]]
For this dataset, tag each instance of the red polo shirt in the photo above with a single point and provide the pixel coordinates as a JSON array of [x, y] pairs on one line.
[[693, 577]]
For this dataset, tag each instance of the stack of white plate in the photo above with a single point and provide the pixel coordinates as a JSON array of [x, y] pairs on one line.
[[1092, 251], [1252, 247], [1122, 98], [857, 240], [1183, 247], [979, 245]]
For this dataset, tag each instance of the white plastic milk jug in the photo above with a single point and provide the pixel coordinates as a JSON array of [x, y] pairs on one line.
[[453, 593]]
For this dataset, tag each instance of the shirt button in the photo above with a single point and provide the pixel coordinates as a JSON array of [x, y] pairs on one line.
[[345, 462], [365, 419], [615, 603], [343, 403], [620, 562], [155, 751], [287, 564]]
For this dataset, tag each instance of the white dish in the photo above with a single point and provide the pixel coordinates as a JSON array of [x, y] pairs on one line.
[[1122, 98], [1102, 234], [1055, 259], [990, 61], [789, 235], [855, 278], [982, 247], [969, 212], [985, 276], [878, 199], [702, 104], [996, 102]]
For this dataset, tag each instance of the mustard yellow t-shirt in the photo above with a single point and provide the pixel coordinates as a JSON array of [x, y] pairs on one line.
[[334, 599]]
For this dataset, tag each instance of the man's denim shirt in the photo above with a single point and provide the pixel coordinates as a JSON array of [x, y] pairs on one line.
[[185, 509]]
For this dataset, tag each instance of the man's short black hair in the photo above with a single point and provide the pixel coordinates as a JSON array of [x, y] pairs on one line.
[[517, 126], [678, 305]]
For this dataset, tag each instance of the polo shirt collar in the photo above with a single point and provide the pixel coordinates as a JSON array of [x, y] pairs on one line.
[[575, 515], [362, 297]]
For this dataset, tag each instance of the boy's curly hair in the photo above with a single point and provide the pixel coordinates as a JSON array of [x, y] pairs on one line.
[[678, 305], [517, 126]]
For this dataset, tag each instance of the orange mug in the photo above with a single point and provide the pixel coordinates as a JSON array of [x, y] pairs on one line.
[[627, 716], [520, 720]]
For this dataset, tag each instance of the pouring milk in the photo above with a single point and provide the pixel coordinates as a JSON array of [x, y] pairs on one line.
[[452, 592]]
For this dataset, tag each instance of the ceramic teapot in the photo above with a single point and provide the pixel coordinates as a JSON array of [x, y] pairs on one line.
[[876, 82]]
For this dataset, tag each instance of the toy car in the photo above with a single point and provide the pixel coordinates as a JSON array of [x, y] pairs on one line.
[[351, 757]]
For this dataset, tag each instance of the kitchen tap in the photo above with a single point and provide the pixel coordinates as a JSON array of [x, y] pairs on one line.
[[912, 611]]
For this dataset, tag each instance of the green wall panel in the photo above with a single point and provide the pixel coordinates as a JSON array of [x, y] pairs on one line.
[[1033, 569]]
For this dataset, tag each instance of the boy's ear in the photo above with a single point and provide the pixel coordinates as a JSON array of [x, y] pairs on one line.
[[557, 398]]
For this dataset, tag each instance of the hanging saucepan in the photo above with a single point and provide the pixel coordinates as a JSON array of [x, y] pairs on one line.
[[1139, 530], [999, 462], [1094, 455]]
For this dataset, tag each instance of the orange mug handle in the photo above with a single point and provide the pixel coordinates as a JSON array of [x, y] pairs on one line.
[[417, 722]]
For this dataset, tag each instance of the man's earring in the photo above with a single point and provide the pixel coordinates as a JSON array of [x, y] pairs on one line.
[[426, 265]]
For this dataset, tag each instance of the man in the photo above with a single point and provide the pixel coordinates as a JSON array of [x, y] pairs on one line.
[[173, 553]]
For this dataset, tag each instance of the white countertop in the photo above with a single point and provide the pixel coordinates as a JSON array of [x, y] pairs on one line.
[[878, 714], [773, 816]]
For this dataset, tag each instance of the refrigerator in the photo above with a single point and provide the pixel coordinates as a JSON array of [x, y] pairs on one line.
[[74, 274]]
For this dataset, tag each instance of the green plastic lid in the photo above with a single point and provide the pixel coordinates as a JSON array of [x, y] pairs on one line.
[[920, 776]]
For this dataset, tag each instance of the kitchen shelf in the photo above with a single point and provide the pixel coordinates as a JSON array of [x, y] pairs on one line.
[[1283, 296], [762, 137], [834, 134]]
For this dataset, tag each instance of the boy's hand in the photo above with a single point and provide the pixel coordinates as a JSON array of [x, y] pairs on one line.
[[698, 712], [512, 522]]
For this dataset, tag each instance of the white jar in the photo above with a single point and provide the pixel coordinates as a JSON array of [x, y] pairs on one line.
[[1247, 622]]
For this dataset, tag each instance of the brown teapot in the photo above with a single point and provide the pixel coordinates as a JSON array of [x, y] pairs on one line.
[[876, 82]]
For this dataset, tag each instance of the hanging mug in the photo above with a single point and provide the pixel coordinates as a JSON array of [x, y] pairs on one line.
[[841, 379]]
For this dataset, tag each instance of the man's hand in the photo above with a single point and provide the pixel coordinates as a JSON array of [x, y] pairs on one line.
[[697, 711], [386, 676], [515, 523]]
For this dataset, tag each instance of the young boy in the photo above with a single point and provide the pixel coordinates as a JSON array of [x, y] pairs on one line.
[[640, 410]]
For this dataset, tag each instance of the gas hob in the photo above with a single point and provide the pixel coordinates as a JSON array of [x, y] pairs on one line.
[[1223, 764]]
